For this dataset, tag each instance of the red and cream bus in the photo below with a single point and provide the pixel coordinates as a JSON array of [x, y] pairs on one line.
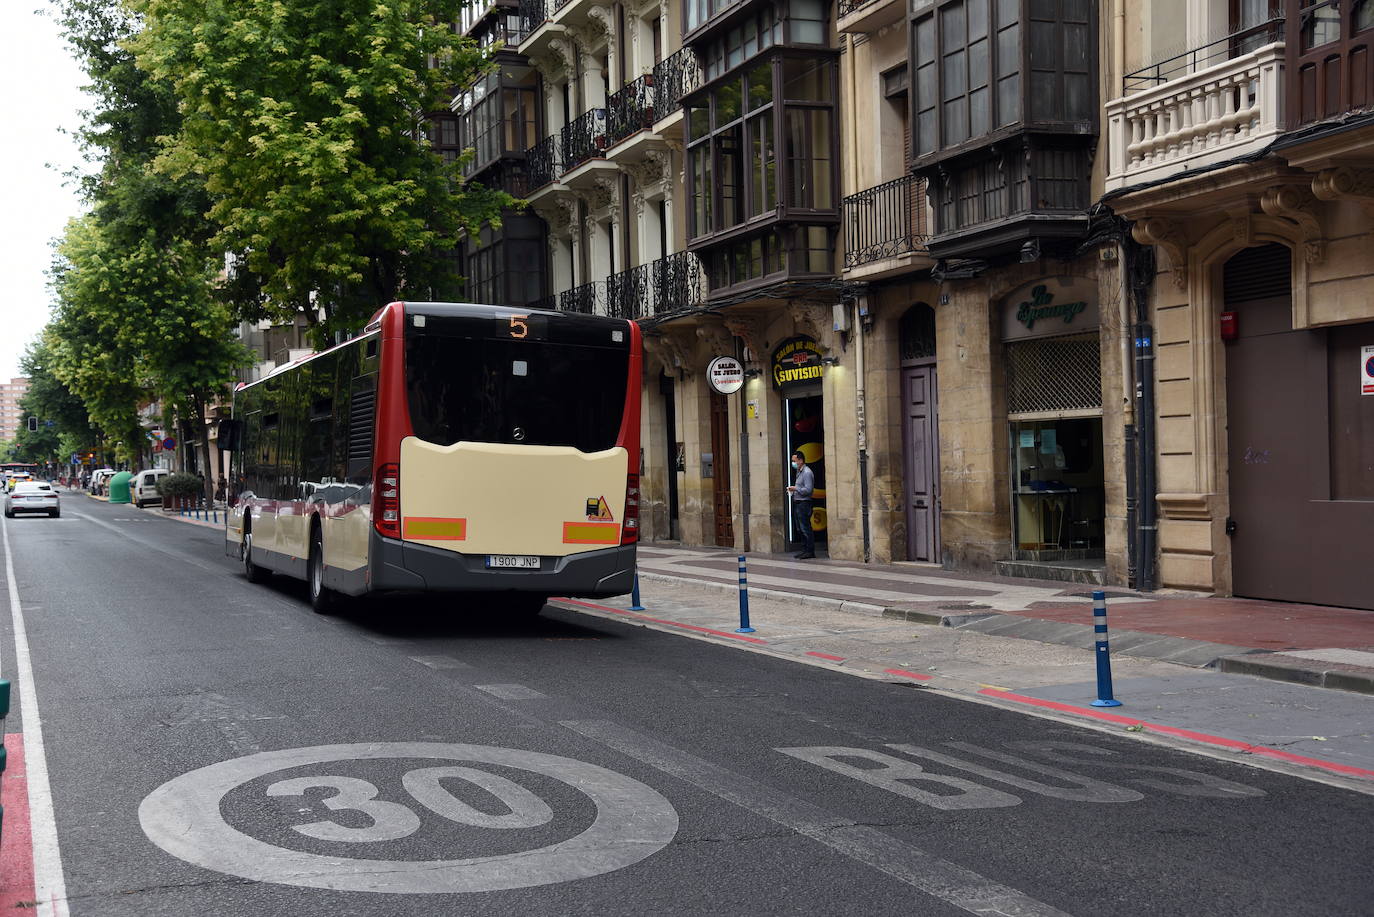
[[447, 448]]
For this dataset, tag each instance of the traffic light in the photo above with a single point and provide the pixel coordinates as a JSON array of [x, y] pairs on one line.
[[33, 424]]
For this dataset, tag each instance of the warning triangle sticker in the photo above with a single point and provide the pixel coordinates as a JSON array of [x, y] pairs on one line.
[[599, 510]]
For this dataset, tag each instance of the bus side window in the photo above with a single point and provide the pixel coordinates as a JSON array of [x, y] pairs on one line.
[[362, 417]]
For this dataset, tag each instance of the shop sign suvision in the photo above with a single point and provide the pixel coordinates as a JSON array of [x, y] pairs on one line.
[[1049, 306], [796, 362]]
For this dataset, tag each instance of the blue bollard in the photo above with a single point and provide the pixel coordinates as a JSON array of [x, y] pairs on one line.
[[634, 596], [1104, 659], [744, 627]]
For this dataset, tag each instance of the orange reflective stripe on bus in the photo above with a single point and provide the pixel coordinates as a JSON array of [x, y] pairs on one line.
[[591, 533], [436, 528]]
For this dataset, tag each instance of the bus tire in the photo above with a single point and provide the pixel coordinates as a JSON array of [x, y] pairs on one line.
[[251, 571], [322, 599]]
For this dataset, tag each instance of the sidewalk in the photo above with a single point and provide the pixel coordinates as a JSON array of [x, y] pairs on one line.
[[1303, 644], [1028, 646]]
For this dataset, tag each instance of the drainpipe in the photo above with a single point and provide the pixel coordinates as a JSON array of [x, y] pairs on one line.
[[861, 406], [1142, 273], [743, 455], [1129, 445]]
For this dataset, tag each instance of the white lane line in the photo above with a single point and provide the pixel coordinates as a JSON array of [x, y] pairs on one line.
[[49, 882], [939, 878], [440, 662], [510, 692]]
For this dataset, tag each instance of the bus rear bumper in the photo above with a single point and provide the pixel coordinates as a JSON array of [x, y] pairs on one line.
[[398, 565]]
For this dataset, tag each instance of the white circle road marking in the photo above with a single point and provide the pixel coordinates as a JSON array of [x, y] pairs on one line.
[[632, 822]]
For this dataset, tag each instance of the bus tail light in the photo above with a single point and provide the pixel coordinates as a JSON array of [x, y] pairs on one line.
[[386, 501], [629, 533]]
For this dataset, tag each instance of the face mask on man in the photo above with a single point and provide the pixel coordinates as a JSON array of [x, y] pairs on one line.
[[796, 464]]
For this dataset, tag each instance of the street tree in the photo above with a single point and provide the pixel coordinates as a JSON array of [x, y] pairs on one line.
[[303, 118]]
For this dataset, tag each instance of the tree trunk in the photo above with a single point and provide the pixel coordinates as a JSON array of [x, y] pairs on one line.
[[198, 404]]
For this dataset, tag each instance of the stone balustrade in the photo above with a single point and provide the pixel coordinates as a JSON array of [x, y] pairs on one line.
[[1210, 116]]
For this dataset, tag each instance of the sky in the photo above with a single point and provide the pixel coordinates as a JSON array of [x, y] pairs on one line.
[[39, 94]]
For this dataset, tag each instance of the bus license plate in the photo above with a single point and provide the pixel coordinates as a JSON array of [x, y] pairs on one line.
[[513, 561]]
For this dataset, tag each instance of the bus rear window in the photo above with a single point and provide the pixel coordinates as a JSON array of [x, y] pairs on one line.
[[530, 393]]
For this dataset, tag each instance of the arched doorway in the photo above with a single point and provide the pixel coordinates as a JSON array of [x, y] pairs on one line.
[[920, 433]]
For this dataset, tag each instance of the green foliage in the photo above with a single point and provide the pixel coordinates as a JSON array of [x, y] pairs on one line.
[[301, 118], [179, 485]]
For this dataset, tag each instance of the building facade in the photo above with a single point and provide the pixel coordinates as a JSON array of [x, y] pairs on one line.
[[1014, 275], [11, 393], [1245, 164]]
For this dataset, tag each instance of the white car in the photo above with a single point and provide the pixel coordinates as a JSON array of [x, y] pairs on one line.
[[143, 487], [32, 497]]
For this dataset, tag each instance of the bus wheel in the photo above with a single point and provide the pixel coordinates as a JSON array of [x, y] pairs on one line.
[[323, 599], [251, 571]]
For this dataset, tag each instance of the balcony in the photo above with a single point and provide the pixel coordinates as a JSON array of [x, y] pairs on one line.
[[862, 17], [1210, 113], [885, 229], [584, 299], [544, 162], [537, 27], [674, 77], [647, 114], [584, 144], [669, 286], [630, 109]]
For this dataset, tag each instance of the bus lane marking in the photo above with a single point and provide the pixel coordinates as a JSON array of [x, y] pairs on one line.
[[939, 878], [904, 777], [185, 819]]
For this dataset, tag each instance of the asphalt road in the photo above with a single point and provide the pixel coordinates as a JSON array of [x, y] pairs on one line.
[[216, 748]]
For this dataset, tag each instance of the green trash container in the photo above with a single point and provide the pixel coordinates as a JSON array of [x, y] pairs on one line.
[[119, 488]]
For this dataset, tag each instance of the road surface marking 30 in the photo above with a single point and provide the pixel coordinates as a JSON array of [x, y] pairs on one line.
[[632, 821]]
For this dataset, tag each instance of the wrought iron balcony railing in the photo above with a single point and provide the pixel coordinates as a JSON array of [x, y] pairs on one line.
[[674, 77], [885, 221], [533, 14], [849, 6], [672, 284], [584, 299], [543, 162], [1238, 43], [583, 138], [630, 109]]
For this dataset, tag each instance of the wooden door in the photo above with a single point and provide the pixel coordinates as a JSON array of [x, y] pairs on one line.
[[720, 483], [922, 450], [1271, 450]]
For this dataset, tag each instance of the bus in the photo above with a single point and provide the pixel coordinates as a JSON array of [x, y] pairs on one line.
[[448, 448]]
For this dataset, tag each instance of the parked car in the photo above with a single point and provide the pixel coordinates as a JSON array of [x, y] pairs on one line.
[[143, 487], [32, 497], [98, 479]]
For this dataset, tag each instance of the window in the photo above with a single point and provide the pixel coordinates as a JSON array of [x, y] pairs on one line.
[[969, 62], [808, 143], [497, 116], [1320, 24], [536, 393]]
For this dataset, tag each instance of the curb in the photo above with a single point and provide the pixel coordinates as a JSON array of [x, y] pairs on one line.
[[1279, 668], [1182, 651], [801, 598]]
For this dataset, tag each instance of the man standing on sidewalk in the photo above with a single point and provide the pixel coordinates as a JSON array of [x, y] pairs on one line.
[[801, 504]]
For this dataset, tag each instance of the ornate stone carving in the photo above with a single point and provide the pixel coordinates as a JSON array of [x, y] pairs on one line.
[[673, 347], [716, 337], [562, 56], [748, 328], [1297, 205], [808, 317], [1168, 235], [1345, 183]]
